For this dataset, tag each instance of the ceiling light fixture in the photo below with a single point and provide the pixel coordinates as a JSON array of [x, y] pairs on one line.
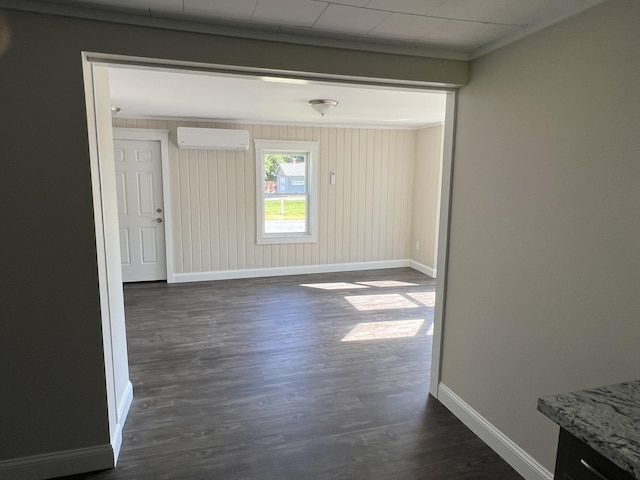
[[115, 110], [322, 105], [290, 81]]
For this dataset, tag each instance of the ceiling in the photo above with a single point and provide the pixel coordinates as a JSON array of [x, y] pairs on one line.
[[157, 93], [460, 29], [456, 29]]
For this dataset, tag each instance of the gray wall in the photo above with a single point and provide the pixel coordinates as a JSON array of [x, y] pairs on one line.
[[543, 292], [51, 360]]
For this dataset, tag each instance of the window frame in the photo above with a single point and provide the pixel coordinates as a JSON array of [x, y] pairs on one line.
[[310, 149]]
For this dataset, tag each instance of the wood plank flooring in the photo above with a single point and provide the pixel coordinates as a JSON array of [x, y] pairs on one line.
[[251, 379]]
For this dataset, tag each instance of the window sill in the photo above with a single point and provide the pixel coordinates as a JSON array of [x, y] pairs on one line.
[[286, 239]]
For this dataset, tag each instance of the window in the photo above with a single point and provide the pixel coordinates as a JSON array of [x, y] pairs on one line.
[[287, 203]]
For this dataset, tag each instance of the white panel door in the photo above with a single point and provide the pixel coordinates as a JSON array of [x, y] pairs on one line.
[[140, 210]]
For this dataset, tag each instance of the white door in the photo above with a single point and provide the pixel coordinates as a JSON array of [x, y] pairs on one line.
[[140, 210]]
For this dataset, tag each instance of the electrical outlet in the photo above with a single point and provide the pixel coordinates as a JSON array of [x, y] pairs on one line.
[[417, 245]]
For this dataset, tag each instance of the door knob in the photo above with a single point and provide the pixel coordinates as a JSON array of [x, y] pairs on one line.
[[159, 220]]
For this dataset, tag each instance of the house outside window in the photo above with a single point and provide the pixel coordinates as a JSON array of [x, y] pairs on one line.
[[287, 203]]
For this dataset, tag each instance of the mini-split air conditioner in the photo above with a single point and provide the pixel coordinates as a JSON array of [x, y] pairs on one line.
[[213, 138]]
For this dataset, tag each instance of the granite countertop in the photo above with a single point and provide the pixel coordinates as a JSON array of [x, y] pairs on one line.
[[605, 418]]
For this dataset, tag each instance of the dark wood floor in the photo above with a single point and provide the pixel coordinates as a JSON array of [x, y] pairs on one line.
[[251, 379]]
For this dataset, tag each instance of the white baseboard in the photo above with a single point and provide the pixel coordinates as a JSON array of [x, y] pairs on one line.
[[281, 271], [123, 411], [515, 456], [57, 464], [423, 268]]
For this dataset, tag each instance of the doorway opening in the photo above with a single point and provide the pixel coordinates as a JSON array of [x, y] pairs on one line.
[[99, 102]]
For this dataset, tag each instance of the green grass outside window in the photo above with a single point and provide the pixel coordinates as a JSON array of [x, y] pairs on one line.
[[285, 209]]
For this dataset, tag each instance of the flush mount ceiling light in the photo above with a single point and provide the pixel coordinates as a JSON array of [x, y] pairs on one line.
[[322, 105]]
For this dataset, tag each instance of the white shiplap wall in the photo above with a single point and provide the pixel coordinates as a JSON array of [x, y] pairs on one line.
[[426, 195], [365, 217]]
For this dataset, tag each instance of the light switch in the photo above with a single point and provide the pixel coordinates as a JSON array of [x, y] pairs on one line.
[[332, 177]]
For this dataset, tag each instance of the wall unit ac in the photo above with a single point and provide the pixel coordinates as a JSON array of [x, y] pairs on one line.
[[213, 138]]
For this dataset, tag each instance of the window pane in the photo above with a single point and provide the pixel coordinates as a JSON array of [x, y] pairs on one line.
[[285, 214], [285, 173]]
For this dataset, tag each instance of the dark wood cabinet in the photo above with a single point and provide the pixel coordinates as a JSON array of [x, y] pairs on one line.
[[578, 461]]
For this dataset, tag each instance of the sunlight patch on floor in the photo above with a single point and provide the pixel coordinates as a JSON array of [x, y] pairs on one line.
[[428, 299], [380, 302], [387, 283], [333, 286], [430, 331], [383, 330]]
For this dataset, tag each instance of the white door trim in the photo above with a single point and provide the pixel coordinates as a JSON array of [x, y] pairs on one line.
[[163, 137], [91, 59], [443, 241], [107, 253]]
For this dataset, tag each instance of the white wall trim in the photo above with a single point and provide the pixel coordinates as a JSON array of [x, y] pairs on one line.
[[442, 260], [282, 271], [431, 272], [57, 464], [520, 460], [123, 411], [109, 271], [161, 136]]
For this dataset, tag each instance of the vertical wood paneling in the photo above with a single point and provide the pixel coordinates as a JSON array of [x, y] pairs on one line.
[[185, 211], [214, 210], [324, 196], [205, 205], [391, 193], [377, 194], [223, 202], [338, 238], [383, 193], [354, 194], [232, 214], [398, 187], [195, 207], [332, 214], [346, 179], [364, 217], [369, 173], [406, 196]]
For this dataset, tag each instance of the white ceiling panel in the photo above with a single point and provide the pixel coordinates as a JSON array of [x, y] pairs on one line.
[[469, 28], [456, 33], [241, 9], [288, 12], [342, 18], [399, 25], [177, 94], [513, 12], [418, 7]]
